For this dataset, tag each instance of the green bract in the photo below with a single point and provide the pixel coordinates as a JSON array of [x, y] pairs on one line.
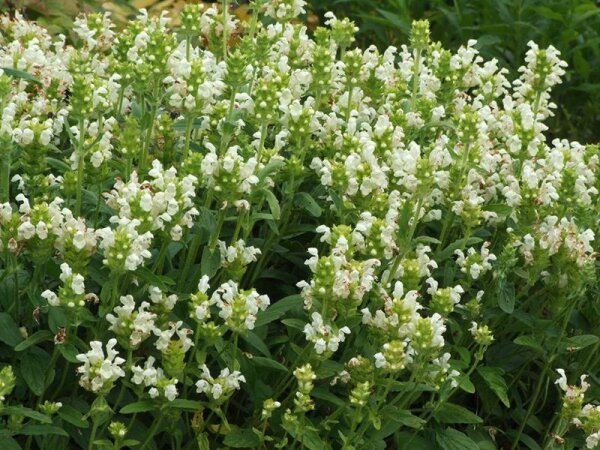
[[230, 235]]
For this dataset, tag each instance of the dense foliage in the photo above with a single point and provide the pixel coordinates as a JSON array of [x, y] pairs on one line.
[[243, 235]]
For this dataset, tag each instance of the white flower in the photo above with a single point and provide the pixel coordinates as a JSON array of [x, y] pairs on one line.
[[98, 372], [223, 386]]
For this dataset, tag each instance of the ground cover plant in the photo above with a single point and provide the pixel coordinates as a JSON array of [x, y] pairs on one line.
[[245, 235]]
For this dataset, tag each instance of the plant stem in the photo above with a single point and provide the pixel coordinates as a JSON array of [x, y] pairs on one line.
[[5, 175], [415, 80], [155, 424], [80, 169], [93, 435], [188, 134], [160, 258], [225, 20], [146, 143]]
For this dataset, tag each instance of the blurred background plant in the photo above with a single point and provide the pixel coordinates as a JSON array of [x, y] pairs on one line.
[[502, 28]]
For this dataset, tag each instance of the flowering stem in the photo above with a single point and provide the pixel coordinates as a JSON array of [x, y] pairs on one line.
[[5, 176], [97, 212], [225, 36], [80, 170], [146, 143], [155, 424], [160, 259], [189, 259], [353, 425], [410, 235], [254, 21], [120, 101], [415, 80], [188, 134], [93, 434], [261, 145], [128, 365], [215, 237], [379, 403]]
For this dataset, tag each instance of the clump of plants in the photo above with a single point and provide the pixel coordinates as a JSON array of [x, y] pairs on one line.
[[243, 235]]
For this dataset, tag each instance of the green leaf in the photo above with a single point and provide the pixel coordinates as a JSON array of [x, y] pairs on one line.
[[58, 164], [9, 331], [156, 280], [32, 364], [42, 430], [8, 443], [69, 352], [273, 204], [137, 407], [268, 363], [401, 416], [578, 342], [294, 323], [22, 411], [501, 209], [530, 342], [182, 403], [461, 243], [309, 438], [103, 443], [451, 413], [304, 200], [256, 342], [15, 73], [39, 336], [493, 378], [323, 393], [71, 415], [506, 297], [242, 438], [57, 318], [211, 261], [451, 439], [278, 309]]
